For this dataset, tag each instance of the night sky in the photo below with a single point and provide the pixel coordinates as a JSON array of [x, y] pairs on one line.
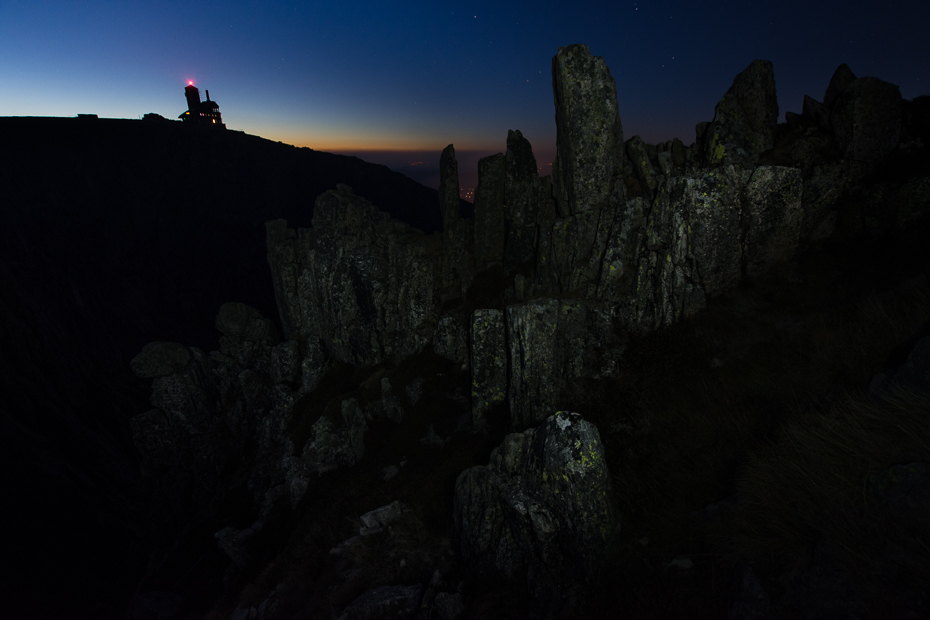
[[395, 82]]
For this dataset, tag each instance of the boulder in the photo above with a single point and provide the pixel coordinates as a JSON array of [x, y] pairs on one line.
[[541, 510], [744, 119], [589, 135], [866, 119], [489, 212], [488, 364]]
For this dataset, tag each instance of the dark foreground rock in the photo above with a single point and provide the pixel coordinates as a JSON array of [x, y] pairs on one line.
[[542, 510]]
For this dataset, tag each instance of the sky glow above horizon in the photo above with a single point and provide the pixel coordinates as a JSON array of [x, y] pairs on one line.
[[390, 77]]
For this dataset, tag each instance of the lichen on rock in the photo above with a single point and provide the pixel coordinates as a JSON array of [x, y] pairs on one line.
[[541, 510]]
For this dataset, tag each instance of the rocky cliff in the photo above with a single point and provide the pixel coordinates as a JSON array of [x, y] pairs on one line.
[[469, 394]]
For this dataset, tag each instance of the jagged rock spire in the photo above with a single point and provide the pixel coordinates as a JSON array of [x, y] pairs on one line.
[[589, 136]]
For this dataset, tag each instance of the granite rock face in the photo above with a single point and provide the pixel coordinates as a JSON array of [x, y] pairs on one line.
[[488, 363], [541, 510], [589, 136], [553, 344], [365, 285], [745, 119], [702, 235], [771, 218], [570, 251], [521, 200]]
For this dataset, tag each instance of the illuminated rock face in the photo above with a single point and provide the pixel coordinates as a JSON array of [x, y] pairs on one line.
[[362, 283], [542, 511], [589, 137]]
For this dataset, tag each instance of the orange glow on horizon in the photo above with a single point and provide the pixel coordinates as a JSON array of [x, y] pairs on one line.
[[332, 142]]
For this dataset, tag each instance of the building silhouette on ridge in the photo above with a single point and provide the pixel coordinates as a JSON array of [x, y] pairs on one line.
[[203, 113]]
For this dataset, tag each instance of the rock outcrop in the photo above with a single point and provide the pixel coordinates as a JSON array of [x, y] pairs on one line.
[[541, 510], [591, 137], [489, 212], [533, 301], [366, 286], [744, 120], [458, 256], [488, 363], [553, 346]]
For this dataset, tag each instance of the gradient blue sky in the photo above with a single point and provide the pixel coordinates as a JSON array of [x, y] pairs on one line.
[[375, 78]]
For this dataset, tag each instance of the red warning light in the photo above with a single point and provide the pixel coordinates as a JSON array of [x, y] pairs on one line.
[[190, 82]]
